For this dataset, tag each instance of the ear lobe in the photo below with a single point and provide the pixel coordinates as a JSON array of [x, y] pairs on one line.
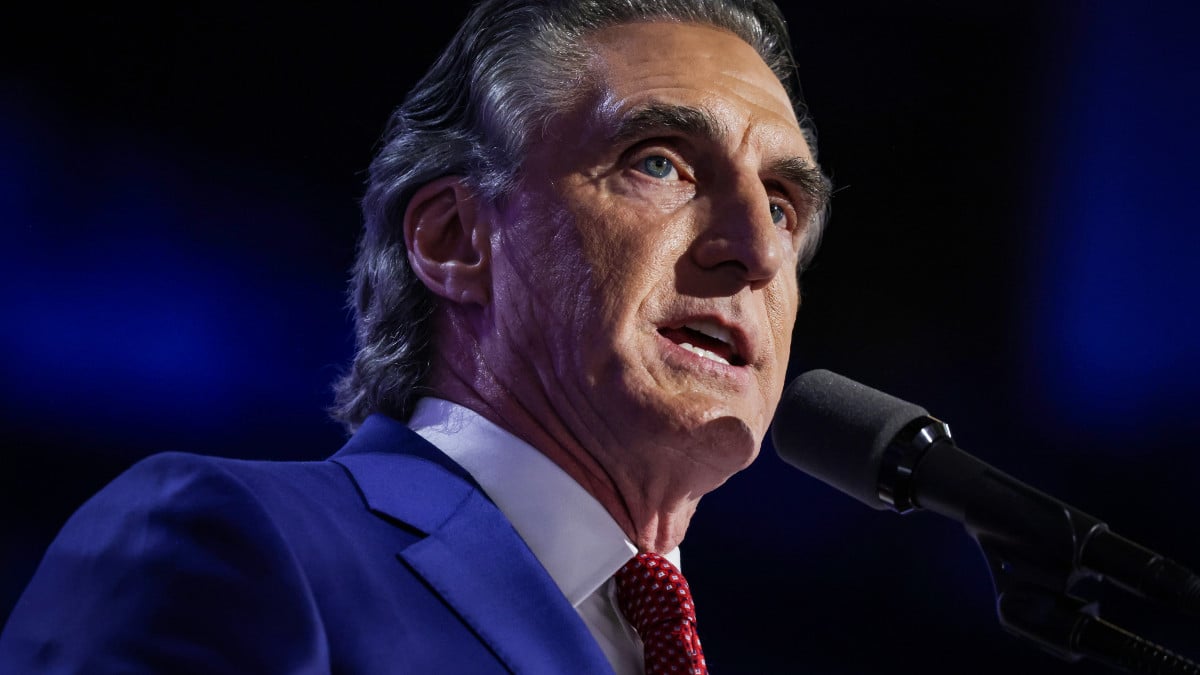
[[449, 242]]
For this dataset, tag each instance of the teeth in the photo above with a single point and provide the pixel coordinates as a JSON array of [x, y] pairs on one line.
[[712, 330], [703, 352]]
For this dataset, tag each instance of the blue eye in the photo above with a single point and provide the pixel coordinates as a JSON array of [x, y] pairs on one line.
[[658, 166], [778, 215]]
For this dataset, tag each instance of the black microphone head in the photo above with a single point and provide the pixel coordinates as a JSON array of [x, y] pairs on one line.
[[836, 430]]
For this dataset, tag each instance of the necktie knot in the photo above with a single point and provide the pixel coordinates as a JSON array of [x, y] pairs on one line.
[[656, 600]]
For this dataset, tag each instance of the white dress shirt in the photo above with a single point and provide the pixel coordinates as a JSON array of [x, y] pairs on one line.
[[569, 532]]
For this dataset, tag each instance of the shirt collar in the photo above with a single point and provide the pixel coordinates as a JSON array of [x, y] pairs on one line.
[[568, 530]]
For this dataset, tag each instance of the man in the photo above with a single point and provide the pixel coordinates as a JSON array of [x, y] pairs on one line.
[[577, 285]]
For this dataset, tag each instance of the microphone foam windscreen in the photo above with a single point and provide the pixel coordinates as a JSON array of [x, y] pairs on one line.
[[836, 430]]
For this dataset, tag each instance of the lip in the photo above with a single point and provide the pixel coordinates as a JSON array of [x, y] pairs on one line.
[[732, 378], [744, 345]]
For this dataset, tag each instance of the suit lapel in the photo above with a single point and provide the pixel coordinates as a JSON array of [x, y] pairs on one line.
[[472, 557]]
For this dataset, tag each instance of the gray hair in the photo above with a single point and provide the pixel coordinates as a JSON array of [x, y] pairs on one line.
[[511, 67]]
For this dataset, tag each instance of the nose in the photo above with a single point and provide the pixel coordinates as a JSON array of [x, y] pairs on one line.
[[739, 240]]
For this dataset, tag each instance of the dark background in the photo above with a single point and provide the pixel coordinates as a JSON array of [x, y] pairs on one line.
[[1014, 246]]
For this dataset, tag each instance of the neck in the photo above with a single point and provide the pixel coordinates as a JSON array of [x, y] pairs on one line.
[[651, 501], [649, 474]]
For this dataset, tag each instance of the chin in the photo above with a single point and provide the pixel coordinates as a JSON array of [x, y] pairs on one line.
[[725, 421], [733, 440], [707, 428]]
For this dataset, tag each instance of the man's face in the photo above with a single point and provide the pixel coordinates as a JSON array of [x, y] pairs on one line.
[[645, 270]]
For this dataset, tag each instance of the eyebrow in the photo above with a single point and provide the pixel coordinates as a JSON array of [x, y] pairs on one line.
[[660, 117], [804, 175], [691, 121]]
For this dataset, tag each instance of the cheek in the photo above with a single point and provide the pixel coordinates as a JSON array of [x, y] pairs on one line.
[[628, 257], [540, 287], [546, 249], [784, 298], [782, 307]]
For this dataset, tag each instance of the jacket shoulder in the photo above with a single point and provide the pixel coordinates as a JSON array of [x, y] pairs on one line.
[[175, 566]]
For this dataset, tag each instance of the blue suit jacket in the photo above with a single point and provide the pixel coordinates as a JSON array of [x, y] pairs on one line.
[[386, 558]]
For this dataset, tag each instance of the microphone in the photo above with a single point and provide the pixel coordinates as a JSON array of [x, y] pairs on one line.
[[891, 454]]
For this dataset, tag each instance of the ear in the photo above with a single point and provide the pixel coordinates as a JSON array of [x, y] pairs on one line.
[[448, 241]]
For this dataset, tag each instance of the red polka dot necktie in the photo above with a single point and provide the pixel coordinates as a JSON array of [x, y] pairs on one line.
[[656, 600]]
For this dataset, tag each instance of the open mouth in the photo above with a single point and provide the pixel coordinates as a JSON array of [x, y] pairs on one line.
[[706, 339]]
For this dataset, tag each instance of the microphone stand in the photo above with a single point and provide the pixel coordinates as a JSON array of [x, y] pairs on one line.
[[1066, 627], [1034, 547]]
